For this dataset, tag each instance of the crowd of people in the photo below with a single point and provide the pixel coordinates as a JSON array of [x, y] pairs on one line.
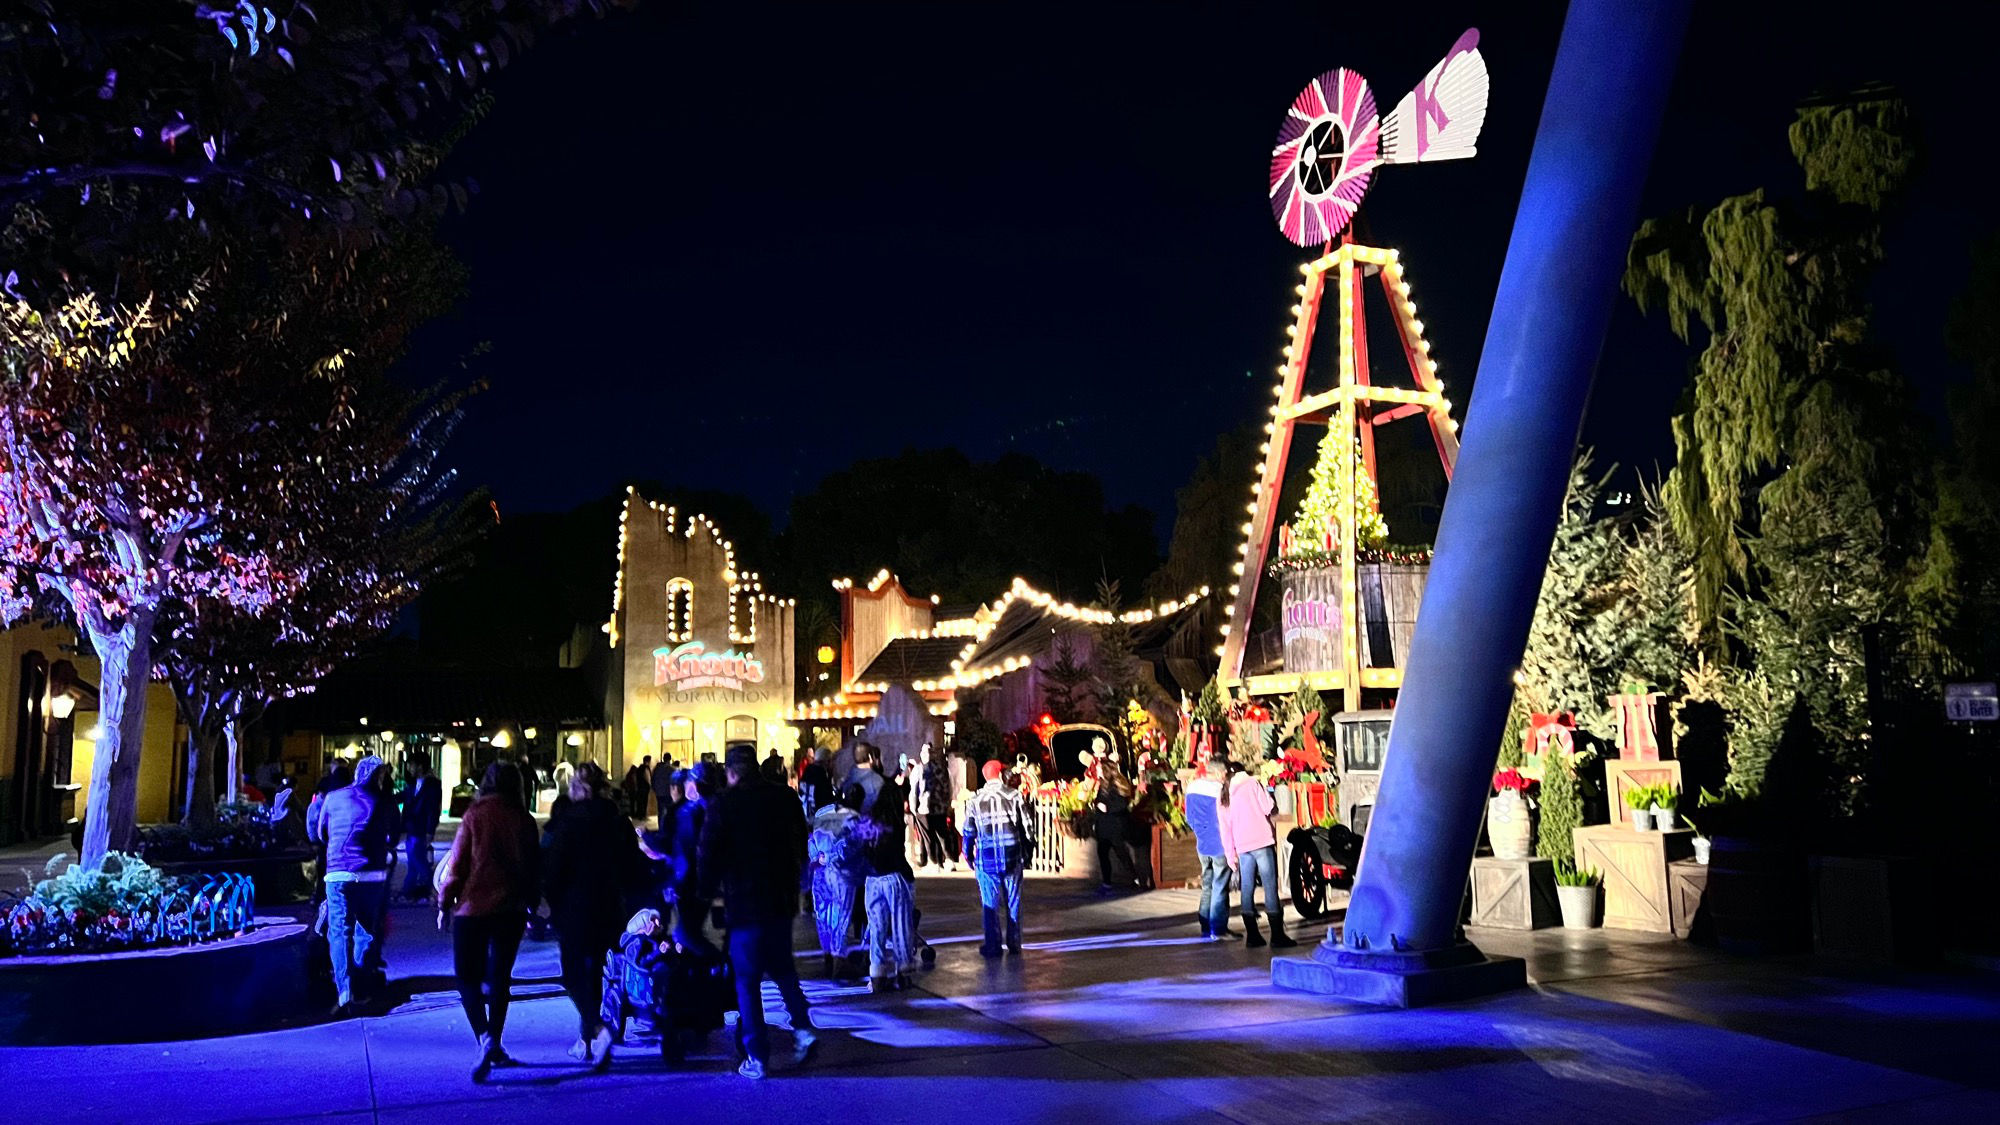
[[634, 911]]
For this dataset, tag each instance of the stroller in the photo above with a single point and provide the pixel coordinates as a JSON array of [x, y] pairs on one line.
[[681, 991]]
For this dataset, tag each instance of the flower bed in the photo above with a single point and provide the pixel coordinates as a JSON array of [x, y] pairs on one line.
[[241, 831], [124, 904]]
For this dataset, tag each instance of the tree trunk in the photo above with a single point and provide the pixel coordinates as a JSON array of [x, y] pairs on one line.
[[126, 657], [232, 734], [200, 805]]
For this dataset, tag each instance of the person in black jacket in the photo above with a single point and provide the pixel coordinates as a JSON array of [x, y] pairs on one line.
[[752, 854], [590, 859]]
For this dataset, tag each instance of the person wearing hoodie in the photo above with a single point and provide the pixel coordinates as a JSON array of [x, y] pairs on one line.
[[1204, 809], [358, 826], [1250, 841], [590, 859]]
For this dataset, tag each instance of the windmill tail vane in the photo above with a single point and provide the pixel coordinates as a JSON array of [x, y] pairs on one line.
[[1332, 139]]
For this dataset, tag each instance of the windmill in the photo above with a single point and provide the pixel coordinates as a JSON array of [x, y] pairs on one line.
[[1329, 148]]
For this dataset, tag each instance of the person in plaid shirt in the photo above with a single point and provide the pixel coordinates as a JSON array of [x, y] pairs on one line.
[[999, 838]]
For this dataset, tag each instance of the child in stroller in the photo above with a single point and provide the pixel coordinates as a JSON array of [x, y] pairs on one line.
[[680, 990]]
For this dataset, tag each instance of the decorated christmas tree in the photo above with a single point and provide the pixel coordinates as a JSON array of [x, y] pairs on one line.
[[1316, 528]]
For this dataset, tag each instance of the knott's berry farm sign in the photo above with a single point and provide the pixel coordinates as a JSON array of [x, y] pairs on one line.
[[691, 665]]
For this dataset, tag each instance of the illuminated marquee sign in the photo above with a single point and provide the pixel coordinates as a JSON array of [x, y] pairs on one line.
[[688, 666]]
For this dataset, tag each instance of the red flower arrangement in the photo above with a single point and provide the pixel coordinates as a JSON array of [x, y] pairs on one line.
[[1510, 779]]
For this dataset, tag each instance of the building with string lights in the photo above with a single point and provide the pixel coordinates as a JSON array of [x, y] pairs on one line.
[[892, 638], [700, 655]]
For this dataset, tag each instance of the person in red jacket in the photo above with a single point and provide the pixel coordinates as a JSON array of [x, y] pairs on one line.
[[490, 881]]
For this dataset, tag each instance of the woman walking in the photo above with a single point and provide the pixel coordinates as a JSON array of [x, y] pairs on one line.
[[838, 868], [487, 885], [886, 891], [590, 858], [1250, 841], [1112, 827]]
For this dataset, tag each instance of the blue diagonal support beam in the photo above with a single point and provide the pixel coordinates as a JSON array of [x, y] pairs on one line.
[[1578, 207]]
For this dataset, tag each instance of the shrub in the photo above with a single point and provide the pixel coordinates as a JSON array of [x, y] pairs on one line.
[[1562, 810], [122, 903]]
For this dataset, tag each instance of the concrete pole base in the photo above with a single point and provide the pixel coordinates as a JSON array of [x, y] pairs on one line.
[[1401, 979]]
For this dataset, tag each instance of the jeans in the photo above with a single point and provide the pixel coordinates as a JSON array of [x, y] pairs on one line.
[[583, 953], [995, 892], [354, 912], [755, 951], [1214, 908], [1259, 866], [417, 853], [483, 948]]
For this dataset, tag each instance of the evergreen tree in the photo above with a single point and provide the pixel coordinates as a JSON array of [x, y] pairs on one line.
[[1572, 654], [1319, 512], [1802, 485], [1562, 810], [1067, 681], [1208, 705]]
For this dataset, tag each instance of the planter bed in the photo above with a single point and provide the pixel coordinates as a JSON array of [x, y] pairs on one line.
[[238, 984], [281, 878]]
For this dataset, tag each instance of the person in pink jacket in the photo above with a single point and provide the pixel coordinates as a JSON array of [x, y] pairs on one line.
[[1250, 842]]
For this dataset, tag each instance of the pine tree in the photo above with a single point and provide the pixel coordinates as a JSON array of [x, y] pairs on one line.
[[1562, 810], [1572, 654], [1319, 512], [1067, 680], [1208, 705]]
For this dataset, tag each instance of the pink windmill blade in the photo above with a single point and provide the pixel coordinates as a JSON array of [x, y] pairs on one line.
[[1441, 118], [1332, 140], [1326, 152]]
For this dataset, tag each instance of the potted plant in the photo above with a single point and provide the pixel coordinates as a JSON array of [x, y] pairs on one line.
[[1639, 799], [1507, 815], [1701, 842], [1576, 892], [1665, 805]]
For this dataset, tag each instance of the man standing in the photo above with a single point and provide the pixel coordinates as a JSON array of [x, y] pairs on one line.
[[423, 805], [815, 783], [999, 838], [1203, 795], [358, 827], [753, 850]]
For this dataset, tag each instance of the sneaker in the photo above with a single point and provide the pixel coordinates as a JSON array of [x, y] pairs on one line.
[[802, 1045], [989, 951], [600, 1047], [751, 1068], [501, 1058], [1015, 949], [484, 1066]]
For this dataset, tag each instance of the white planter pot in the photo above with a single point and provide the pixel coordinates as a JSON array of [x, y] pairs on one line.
[[1642, 819], [1507, 825], [1283, 796], [1579, 907], [1701, 846], [1665, 819]]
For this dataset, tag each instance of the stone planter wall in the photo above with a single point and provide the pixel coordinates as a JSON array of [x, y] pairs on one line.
[[241, 984]]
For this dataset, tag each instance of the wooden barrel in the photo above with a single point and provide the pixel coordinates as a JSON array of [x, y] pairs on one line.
[[1757, 899]]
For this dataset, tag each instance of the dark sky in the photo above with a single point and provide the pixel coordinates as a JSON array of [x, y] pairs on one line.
[[735, 246]]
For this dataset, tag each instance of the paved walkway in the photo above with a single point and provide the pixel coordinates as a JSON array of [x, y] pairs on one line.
[[1116, 1014]]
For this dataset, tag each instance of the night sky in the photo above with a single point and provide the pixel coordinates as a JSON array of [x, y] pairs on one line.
[[735, 246]]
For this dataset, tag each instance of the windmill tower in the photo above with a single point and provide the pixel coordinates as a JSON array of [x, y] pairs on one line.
[[1327, 151]]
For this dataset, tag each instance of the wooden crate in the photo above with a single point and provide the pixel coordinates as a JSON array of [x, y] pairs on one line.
[[1514, 894], [1621, 777], [1687, 882], [1634, 865]]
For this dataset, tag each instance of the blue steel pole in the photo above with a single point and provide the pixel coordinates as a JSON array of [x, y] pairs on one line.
[[1578, 207]]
